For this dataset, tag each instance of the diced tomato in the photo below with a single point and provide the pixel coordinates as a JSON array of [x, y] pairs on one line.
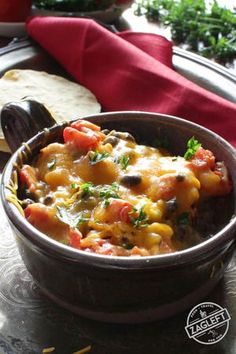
[[83, 124], [28, 177], [87, 137], [37, 214], [138, 251], [106, 249], [44, 219], [83, 135], [221, 171], [75, 238], [165, 247], [101, 246], [225, 186], [166, 188], [119, 210], [203, 159], [81, 140]]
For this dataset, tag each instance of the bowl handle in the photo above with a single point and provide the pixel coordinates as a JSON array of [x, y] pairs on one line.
[[22, 120]]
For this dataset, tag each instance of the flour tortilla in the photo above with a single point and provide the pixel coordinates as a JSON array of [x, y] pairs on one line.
[[64, 99]]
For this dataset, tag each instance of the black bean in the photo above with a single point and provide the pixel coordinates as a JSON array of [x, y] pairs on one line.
[[105, 131], [113, 140], [27, 202], [124, 136], [126, 243], [180, 178], [48, 200], [131, 180], [171, 205]]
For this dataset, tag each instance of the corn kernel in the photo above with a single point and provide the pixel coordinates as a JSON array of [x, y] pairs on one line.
[[161, 229]]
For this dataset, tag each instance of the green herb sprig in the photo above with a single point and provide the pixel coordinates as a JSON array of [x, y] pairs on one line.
[[138, 217], [96, 157], [193, 145], [73, 221], [104, 192], [184, 219], [87, 188], [124, 161], [207, 30], [51, 164], [108, 192]]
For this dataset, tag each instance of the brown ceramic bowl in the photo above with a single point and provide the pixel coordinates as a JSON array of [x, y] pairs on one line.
[[120, 289]]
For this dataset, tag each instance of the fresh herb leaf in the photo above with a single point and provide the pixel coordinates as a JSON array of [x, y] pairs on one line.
[[109, 191], [64, 216], [51, 164], [161, 143], [193, 145], [105, 191], [87, 188], [95, 157], [115, 186], [203, 27], [79, 220], [184, 219], [138, 217], [127, 245], [123, 161], [74, 185], [106, 203]]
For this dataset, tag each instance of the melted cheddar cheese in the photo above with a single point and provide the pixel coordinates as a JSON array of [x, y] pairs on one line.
[[104, 193]]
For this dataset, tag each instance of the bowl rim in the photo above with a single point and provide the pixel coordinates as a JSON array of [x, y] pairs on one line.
[[113, 7], [48, 245]]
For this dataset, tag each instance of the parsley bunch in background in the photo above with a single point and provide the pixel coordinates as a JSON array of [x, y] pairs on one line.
[[207, 30]]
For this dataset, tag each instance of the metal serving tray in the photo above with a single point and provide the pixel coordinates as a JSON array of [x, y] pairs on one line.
[[25, 54], [29, 322]]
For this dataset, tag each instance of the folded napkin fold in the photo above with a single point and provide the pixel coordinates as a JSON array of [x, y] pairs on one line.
[[130, 71]]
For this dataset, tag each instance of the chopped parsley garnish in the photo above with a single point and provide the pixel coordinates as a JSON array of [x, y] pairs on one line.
[[87, 188], [184, 219], [159, 143], [105, 192], [95, 157], [106, 203], [73, 221], [127, 245], [138, 217], [74, 185], [205, 27], [63, 215], [51, 164], [79, 220], [193, 145], [123, 161], [109, 191]]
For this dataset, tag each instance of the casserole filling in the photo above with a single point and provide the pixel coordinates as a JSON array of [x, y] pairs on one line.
[[102, 192]]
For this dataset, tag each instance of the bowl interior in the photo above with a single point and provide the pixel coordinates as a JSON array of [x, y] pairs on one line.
[[147, 128]]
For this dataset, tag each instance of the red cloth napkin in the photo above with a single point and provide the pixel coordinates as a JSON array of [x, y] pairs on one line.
[[130, 71]]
